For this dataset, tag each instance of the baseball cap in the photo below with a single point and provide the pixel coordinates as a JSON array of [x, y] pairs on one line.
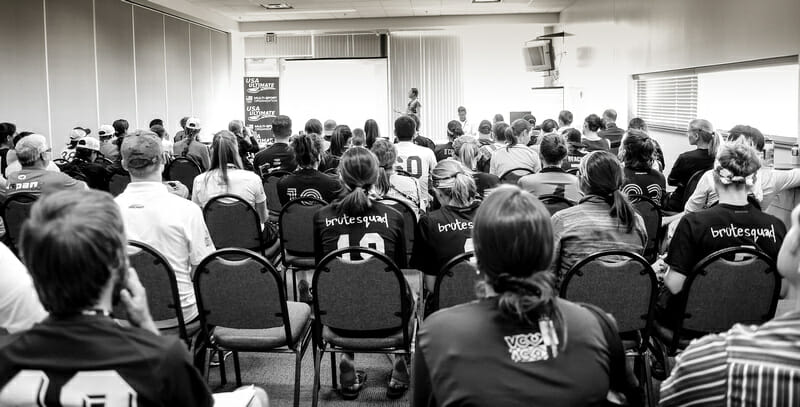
[[85, 129], [76, 134], [329, 126], [89, 143], [106, 130], [193, 123], [141, 149]]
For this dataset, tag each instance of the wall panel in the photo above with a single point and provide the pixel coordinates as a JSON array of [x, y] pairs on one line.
[[71, 65], [179, 83], [116, 76], [23, 77], [200, 43], [151, 78], [221, 81]]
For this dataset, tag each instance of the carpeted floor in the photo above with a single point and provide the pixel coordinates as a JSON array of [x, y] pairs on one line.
[[275, 373]]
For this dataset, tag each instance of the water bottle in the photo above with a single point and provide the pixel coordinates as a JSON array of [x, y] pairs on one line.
[[769, 152]]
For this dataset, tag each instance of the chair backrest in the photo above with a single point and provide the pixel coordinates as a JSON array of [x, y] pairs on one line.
[[183, 169], [233, 223], [271, 190], [455, 283], [650, 212], [733, 285], [296, 226], [513, 175], [691, 185], [14, 211], [245, 293], [159, 281], [620, 282], [369, 295], [118, 183], [555, 203], [409, 219]]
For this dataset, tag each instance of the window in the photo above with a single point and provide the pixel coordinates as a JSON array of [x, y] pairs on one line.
[[763, 94]]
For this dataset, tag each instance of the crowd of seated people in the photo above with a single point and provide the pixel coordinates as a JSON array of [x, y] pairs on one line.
[[529, 335]]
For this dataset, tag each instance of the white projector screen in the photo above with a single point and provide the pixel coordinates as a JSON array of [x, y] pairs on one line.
[[349, 91]]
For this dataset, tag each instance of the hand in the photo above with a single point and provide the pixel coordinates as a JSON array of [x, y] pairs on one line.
[[134, 299]]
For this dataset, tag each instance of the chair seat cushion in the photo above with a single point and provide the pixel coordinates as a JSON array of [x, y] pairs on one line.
[[269, 338], [394, 340], [301, 262]]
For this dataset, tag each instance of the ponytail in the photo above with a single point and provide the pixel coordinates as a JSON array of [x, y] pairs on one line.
[[454, 181], [622, 209], [714, 144], [357, 201], [358, 171], [468, 155], [511, 139]]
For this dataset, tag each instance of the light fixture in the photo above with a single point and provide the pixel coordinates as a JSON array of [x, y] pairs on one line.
[[486, 1], [277, 6]]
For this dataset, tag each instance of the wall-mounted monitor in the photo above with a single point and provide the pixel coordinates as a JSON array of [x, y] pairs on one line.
[[538, 56]]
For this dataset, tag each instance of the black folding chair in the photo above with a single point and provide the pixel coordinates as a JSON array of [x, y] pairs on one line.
[[163, 297], [118, 183], [513, 175], [652, 216], [555, 203], [296, 230], [623, 284], [409, 220], [14, 211], [730, 286], [691, 185], [243, 308], [361, 306], [455, 284], [233, 223], [271, 190], [184, 170]]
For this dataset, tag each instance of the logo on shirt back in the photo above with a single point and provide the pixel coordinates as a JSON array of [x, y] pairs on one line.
[[736, 231], [527, 347]]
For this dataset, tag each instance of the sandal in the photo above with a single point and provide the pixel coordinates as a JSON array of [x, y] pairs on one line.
[[351, 392], [396, 389]]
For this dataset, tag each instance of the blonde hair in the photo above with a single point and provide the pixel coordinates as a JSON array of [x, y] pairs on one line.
[[455, 182]]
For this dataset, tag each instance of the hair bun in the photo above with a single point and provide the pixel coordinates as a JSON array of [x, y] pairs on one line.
[[506, 282]]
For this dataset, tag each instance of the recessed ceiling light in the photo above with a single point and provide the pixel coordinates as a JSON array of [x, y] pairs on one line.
[[486, 1], [277, 6]]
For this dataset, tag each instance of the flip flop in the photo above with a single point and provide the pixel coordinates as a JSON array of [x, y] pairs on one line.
[[351, 392], [395, 389]]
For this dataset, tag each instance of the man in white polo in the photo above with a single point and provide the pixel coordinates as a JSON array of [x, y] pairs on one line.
[[172, 225]]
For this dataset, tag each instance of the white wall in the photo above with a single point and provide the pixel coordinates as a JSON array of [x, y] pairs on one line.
[[614, 39]]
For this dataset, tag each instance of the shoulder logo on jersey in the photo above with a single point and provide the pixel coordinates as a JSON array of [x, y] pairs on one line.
[[528, 347]]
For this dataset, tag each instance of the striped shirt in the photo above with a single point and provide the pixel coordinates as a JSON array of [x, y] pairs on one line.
[[746, 366], [588, 228]]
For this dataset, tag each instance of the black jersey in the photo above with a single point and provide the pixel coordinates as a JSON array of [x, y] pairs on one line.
[[278, 156], [308, 182], [380, 228], [91, 360], [442, 235]]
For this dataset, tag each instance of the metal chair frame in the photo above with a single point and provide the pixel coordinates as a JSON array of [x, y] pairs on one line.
[[287, 267], [321, 347]]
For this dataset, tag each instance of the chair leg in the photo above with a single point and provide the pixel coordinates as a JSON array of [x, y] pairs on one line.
[[652, 396], [334, 384], [315, 388], [223, 378], [297, 365], [236, 369], [207, 362], [294, 285]]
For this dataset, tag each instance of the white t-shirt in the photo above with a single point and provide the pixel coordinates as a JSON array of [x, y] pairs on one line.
[[770, 183], [19, 304], [469, 129], [518, 156], [172, 225], [242, 183], [406, 189], [417, 161]]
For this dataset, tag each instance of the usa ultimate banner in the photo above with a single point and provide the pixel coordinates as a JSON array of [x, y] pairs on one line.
[[260, 106]]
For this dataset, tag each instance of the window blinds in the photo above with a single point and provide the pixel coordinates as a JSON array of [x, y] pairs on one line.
[[667, 103]]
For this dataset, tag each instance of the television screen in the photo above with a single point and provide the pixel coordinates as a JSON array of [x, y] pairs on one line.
[[538, 56]]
